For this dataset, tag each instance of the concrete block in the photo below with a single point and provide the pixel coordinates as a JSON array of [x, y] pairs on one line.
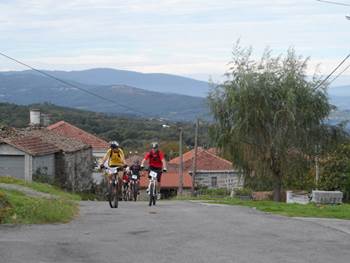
[[327, 197], [297, 198]]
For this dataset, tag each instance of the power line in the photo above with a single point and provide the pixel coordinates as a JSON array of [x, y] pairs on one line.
[[74, 86], [341, 73], [333, 2], [334, 70]]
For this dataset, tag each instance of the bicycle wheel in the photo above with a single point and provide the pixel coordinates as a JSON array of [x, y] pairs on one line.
[[117, 194], [135, 190], [151, 194], [111, 195]]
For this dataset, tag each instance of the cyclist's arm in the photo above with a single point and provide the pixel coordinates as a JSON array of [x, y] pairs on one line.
[[163, 161], [122, 157], [164, 164], [144, 160], [105, 158]]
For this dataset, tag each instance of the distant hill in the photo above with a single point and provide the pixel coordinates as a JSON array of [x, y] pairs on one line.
[[27, 88], [340, 96], [131, 132], [164, 83]]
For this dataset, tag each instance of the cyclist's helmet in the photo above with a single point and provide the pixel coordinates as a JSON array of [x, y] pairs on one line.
[[114, 144], [154, 145]]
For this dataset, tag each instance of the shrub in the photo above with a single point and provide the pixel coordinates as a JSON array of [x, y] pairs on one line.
[[243, 192], [4, 206], [214, 191]]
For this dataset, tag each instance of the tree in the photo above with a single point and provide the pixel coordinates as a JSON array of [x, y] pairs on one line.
[[267, 111], [335, 173]]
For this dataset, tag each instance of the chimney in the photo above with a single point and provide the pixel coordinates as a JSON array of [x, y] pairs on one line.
[[45, 119], [34, 117]]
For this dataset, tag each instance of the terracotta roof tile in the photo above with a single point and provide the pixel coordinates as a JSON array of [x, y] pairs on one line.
[[64, 143], [205, 161], [71, 131], [29, 144], [170, 179]]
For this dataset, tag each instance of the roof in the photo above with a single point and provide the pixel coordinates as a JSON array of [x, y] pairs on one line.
[[29, 144], [64, 143], [205, 161], [40, 141], [71, 131], [170, 179]]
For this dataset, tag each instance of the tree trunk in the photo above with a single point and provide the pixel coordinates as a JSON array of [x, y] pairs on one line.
[[277, 186]]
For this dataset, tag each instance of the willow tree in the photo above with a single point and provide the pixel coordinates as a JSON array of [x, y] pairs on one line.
[[267, 111]]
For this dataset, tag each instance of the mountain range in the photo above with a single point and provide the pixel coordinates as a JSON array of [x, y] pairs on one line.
[[29, 87], [148, 95]]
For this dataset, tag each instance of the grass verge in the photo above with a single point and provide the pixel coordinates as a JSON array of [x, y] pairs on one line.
[[293, 210], [19, 208], [41, 187]]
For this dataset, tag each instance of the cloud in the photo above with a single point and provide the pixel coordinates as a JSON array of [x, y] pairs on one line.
[[190, 37]]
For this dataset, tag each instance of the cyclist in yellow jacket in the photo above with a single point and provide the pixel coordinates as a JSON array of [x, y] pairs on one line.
[[115, 157]]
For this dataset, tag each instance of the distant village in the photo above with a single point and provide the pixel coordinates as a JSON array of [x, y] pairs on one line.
[[69, 156]]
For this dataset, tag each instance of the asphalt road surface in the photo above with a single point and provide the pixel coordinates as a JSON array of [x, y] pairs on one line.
[[175, 232]]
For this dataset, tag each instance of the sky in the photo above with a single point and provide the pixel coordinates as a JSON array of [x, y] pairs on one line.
[[185, 37]]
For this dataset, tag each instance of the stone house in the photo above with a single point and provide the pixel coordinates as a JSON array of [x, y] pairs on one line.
[[37, 152], [99, 146], [212, 170], [21, 156]]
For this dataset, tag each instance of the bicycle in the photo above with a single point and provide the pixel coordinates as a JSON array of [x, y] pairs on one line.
[[113, 186], [134, 186], [152, 187], [126, 191]]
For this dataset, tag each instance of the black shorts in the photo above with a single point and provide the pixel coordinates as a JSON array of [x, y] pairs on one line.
[[158, 171]]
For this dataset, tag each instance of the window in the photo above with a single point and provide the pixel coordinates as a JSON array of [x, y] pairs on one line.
[[214, 182]]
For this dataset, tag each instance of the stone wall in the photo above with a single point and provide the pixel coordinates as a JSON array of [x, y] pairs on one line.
[[74, 170], [223, 179], [44, 166]]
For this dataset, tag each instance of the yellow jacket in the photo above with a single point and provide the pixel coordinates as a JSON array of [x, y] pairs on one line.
[[115, 158]]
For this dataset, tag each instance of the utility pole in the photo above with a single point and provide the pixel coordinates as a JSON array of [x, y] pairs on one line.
[[181, 164], [317, 170], [194, 169]]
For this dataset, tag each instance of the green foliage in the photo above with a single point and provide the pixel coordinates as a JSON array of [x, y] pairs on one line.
[[30, 210], [214, 191], [4, 206], [41, 187], [133, 133], [267, 112], [293, 210], [335, 174], [244, 191]]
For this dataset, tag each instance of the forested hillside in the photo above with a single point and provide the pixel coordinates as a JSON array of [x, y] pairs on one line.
[[133, 133]]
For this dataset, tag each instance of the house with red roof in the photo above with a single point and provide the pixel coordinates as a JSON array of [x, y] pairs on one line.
[[99, 146], [36, 152], [212, 172]]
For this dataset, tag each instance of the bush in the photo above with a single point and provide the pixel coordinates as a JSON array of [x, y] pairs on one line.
[[336, 171], [243, 192], [4, 206], [214, 191]]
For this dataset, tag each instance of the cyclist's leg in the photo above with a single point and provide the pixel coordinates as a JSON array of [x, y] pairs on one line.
[[158, 182]]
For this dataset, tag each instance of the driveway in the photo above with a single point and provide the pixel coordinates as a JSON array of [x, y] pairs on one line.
[[175, 232]]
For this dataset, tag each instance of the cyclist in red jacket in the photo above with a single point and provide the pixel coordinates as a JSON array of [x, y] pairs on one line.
[[156, 162]]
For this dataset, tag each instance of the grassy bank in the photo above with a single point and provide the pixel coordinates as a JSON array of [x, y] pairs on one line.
[[293, 210], [40, 187], [19, 208]]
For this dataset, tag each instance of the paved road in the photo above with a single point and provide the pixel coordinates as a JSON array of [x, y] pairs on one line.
[[174, 232]]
